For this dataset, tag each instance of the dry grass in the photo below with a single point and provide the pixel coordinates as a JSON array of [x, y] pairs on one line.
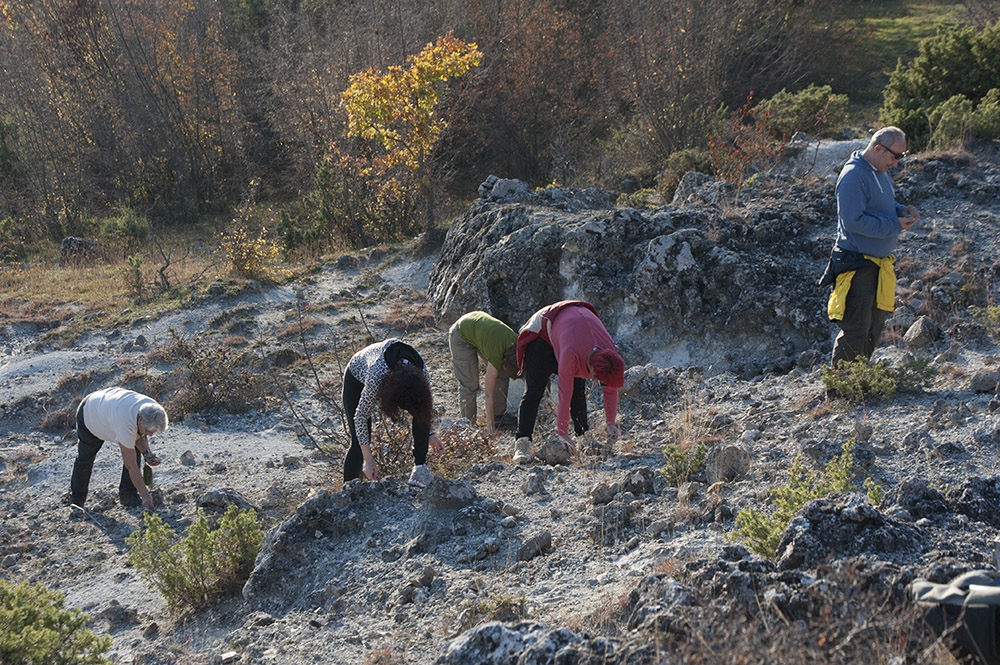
[[463, 447], [18, 463], [385, 656], [297, 328], [46, 292], [409, 315]]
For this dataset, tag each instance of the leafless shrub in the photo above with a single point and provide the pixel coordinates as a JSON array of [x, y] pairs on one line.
[[211, 377], [463, 447]]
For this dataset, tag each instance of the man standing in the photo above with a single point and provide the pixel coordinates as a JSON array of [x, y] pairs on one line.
[[861, 265], [478, 334], [127, 418]]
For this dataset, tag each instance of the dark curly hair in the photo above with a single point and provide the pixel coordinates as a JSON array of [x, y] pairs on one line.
[[407, 389]]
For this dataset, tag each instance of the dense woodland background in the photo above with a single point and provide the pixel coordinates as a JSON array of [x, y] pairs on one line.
[[139, 114]]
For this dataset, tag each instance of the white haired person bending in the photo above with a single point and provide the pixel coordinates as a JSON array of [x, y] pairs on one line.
[[128, 418]]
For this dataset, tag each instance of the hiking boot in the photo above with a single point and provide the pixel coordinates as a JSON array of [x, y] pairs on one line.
[[420, 476], [522, 450], [129, 500], [505, 421]]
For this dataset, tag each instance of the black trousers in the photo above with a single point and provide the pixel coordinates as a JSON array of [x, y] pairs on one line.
[[354, 461], [863, 321], [539, 364], [86, 452]]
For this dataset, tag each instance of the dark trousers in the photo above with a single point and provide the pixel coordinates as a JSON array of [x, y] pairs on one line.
[[354, 461], [539, 364], [862, 324], [86, 451]]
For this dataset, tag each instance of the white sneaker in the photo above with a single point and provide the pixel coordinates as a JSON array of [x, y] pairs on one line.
[[522, 450], [420, 476]]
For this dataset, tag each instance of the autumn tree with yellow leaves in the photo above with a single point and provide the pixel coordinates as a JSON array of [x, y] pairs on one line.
[[398, 109]]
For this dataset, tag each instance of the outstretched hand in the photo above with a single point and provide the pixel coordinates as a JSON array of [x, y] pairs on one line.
[[436, 444], [568, 443], [371, 469]]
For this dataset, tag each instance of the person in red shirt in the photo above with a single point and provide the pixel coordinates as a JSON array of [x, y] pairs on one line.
[[568, 339]]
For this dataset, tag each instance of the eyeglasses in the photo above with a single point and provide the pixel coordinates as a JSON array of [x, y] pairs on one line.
[[897, 155]]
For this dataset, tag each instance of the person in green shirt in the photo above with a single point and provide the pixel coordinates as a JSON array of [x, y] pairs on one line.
[[478, 334]]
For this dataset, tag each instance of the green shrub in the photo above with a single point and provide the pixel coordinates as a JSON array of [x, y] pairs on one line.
[[814, 109], [360, 203], [11, 240], [858, 379], [637, 199], [132, 277], [204, 565], [950, 122], [957, 61], [682, 464], [915, 375], [990, 318], [36, 629], [679, 163], [986, 119], [128, 227], [762, 531], [875, 492]]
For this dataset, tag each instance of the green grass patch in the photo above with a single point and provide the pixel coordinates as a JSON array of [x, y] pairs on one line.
[[880, 33]]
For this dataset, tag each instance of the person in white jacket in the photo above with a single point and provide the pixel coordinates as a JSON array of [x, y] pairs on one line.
[[128, 418]]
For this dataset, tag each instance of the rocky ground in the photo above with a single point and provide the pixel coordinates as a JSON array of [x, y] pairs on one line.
[[598, 560]]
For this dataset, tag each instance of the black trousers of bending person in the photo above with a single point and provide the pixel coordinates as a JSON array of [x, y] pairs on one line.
[[539, 364], [354, 461], [83, 467]]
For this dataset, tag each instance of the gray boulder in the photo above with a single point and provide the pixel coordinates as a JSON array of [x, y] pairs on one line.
[[838, 526], [675, 286], [923, 332], [525, 643]]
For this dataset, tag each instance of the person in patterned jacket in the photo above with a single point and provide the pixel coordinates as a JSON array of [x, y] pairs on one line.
[[390, 376]]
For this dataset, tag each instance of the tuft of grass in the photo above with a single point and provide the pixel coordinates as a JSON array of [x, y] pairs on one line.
[[682, 463], [989, 317], [494, 608]]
